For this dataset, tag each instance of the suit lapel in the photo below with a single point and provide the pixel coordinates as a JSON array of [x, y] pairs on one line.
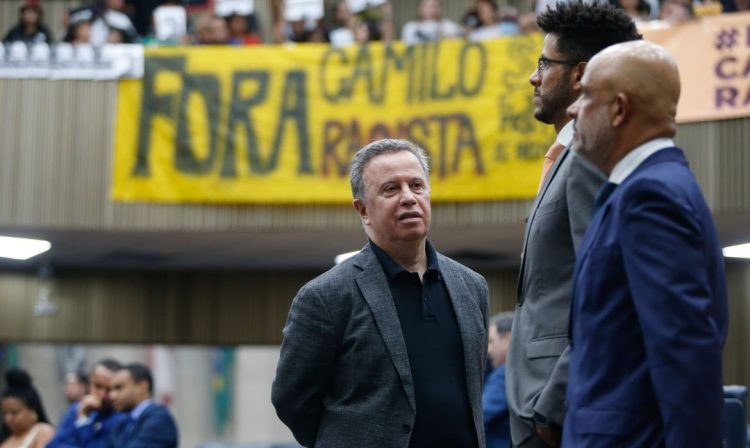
[[131, 435], [532, 214], [374, 288], [465, 310], [664, 155]]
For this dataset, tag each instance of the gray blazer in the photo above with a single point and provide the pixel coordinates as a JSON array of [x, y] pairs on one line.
[[343, 377], [537, 371]]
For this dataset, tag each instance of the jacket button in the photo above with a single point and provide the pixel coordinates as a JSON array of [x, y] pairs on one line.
[[405, 428]]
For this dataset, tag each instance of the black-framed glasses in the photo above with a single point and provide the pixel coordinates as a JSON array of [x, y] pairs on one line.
[[543, 63]]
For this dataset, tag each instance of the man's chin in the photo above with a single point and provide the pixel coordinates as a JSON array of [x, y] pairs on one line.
[[575, 145], [541, 116], [415, 235]]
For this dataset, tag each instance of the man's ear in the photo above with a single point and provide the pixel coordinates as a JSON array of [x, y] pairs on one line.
[[361, 209], [143, 386], [577, 75], [619, 110]]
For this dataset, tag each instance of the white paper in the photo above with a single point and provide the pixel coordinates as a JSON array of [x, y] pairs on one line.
[[170, 22], [225, 8], [303, 10], [356, 6]]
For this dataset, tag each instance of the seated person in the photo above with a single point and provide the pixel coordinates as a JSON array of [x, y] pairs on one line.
[[25, 423]]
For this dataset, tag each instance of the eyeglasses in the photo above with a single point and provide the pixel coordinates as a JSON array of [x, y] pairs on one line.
[[543, 63]]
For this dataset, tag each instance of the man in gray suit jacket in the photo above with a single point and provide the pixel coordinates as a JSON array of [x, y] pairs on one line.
[[388, 348], [537, 366]]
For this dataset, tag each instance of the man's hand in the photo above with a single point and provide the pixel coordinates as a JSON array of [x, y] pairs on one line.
[[550, 436], [547, 430], [88, 404]]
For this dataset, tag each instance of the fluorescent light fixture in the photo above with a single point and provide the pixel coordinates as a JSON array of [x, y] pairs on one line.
[[738, 251], [341, 257], [22, 248]]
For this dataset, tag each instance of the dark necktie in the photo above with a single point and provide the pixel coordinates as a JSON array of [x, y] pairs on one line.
[[605, 191]]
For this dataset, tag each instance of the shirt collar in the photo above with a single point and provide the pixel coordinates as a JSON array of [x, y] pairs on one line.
[[565, 136], [634, 158], [392, 268], [138, 410]]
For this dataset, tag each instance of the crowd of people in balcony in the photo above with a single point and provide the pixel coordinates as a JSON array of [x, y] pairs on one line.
[[131, 21]]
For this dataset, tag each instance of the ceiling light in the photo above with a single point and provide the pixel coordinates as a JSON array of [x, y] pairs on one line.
[[341, 257], [738, 251], [22, 248]]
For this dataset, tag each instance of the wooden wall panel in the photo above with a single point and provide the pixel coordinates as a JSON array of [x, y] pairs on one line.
[[736, 352], [170, 307], [718, 156], [237, 308]]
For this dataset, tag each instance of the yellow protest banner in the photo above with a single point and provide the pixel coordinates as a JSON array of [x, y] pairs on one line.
[[279, 124]]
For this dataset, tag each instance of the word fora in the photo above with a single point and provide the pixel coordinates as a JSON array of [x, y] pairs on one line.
[[454, 133]]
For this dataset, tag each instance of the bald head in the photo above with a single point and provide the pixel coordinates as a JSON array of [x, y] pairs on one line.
[[630, 95], [645, 72]]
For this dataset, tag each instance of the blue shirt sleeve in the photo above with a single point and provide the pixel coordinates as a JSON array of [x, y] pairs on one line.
[[494, 401]]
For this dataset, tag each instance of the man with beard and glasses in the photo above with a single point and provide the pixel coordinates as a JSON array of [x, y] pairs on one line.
[[537, 370]]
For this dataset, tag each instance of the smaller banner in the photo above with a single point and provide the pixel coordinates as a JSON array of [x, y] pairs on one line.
[[64, 61], [713, 55]]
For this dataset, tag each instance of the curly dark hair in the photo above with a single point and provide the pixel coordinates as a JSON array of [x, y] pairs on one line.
[[585, 29], [20, 386]]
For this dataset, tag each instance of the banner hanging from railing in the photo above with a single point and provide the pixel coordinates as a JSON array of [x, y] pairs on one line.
[[713, 55], [279, 124]]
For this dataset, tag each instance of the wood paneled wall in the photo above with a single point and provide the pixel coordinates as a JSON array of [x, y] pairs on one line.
[[236, 308], [168, 307]]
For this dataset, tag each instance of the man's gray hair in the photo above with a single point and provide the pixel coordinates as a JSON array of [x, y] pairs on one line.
[[503, 322], [374, 149]]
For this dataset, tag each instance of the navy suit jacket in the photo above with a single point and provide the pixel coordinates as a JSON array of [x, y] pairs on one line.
[[649, 317], [94, 434], [155, 428]]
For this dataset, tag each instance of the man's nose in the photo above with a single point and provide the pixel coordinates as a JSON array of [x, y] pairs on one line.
[[535, 79], [572, 110], [407, 196]]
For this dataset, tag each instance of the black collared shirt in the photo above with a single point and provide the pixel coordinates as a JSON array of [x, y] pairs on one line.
[[436, 354]]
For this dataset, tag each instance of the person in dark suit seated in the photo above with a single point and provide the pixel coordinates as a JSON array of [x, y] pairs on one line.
[[90, 422], [388, 348], [649, 311], [149, 425]]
